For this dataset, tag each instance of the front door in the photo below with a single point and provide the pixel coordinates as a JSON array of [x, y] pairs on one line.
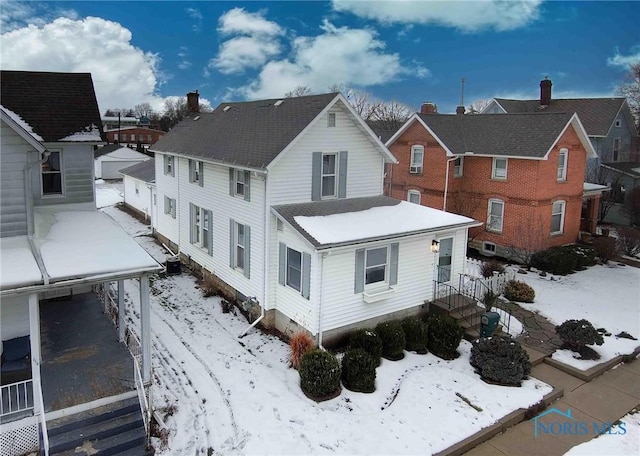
[[444, 260]]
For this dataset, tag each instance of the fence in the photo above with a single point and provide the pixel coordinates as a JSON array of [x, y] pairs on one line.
[[144, 398], [16, 398]]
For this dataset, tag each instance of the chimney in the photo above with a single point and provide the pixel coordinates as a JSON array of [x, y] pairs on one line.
[[460, 110], [545, 91], [193, 101], [428, 108]]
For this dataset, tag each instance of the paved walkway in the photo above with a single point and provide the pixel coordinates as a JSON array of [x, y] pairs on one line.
[[539, 333]]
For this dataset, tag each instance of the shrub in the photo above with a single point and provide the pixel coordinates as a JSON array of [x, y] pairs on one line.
[[606, 248], [514, 290], [359, 371], [369, 341], [444, 336], [564, 259], [490, 266], [415, 331], [490, 300], [577, 334], [500, 359], [628, 240], [393, 339], [319, 374], [299, 344]]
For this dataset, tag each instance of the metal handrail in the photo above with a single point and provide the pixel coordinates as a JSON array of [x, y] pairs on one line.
[[42, 419], [145, 402], [21, 399], [480, 289]]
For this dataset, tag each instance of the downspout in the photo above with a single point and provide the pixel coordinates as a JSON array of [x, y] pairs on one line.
[[322, 257]]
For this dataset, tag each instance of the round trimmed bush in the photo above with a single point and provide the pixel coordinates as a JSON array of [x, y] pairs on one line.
[[393, 339], [501, 360], [415, 331], [444, 336], [359, 371], [319, 375], [515, 290], [577, 334], [369, 341]]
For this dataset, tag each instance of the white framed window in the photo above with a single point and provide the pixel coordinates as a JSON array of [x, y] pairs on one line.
[[115, 136], [240, 245], [413, 196], [133, 137], [495, 215], [489, 248], [51, 174], [457, 167], [137, 188], [562, 164], [329, 178], [196, 225], [557, 217], [616, 148], [240, 182], [170, 206], [201, 225], [499, 169], [331, 119], [618, 123], [140, 138], [294, 269], [375, 266], [417, 159], [195, 172], [169, 165]]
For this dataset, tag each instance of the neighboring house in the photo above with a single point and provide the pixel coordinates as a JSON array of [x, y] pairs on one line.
[[140, 189], [527, 188], [608, 122], [115, 122], [53, 242], [134, 136], [110, 159], [384, 129], [625, 177], [279, 202]]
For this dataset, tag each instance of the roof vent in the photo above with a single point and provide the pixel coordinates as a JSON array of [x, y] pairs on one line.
[[226, 108], [278, 103]]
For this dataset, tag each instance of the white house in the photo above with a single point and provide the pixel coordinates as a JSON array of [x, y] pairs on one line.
[[112, 158], [140, 189], [280, 201]]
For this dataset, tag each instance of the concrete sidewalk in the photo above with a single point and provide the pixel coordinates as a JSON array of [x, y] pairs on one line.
[[606, 399]]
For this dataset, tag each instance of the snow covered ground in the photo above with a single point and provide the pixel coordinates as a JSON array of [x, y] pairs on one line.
[[108, 193], [238, 396], [621, 440]]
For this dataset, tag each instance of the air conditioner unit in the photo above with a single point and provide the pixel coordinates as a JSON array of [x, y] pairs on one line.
[[415, 169]]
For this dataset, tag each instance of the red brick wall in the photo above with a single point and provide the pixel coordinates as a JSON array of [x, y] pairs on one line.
[[124, 136]]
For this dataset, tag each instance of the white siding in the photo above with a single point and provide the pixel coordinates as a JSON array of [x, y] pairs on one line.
[[290, 177], [141, 201], [15, 317], [13, 206], [167, 186], [214, 195]]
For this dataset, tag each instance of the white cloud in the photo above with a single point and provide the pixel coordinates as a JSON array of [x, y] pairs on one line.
[[196, 15], [184, 63], [15, 14], [625, 60], [468, 16], [239, 22], [123, 75]]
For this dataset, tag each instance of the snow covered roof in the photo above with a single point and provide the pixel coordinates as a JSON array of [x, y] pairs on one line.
[[20, 121], [18, 266], [350, 221], [589, 189]]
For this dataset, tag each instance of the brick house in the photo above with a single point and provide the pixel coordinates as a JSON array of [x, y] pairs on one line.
[[134, 136], [527, 188]]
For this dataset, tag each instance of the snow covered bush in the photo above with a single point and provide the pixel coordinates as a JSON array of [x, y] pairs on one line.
[[369, 341], [515, 290], [444, 336], [577, 334], [393, 339], [359, 371], [299, 344], [415, 331], [320, 375], [500, 359], [628, 240], [490, 266]]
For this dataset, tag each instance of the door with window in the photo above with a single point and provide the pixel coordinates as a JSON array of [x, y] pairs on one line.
[[445, 256]]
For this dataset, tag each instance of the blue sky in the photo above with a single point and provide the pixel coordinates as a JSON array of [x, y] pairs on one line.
[[406, 51]]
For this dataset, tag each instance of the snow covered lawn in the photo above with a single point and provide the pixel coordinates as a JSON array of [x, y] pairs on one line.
[[108, 193], [621, 440], [238, 396], [607, 296]]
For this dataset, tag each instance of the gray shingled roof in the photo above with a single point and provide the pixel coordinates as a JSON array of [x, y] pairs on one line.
[[630, 168], [144, 171], [521, 135], [55, 105], [384, 129], [248, 133], [596, 114], [104, 150]]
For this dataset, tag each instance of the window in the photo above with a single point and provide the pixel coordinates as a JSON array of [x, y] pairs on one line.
[[140, 138], [457, 167], [137, 188], [169, 165], [329, 175], [489, 248], [196, 224], [557, 217], [376, 267], [240, 247], [195, 172], [201, 226], [240, 182], [562, 165], [618, 123], [133, 137], [170, 206], [115, 136], [417, 157], [375, 270], [52, 174], [294, 269], [616, 148], [413, 196], [495, 215], [499, 168], [331, 119]]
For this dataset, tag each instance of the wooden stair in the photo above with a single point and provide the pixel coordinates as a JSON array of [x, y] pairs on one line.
[[465, 311]]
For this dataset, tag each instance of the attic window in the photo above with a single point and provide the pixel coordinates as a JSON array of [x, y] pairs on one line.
[[226, 108], [618, 123], [278, 103]]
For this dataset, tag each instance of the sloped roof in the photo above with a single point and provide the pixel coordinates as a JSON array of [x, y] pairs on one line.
[[57, 106], [631, 169], [106, 150], [250, 133], [144, 171], [596, 114], [520, 135], [384, 129]]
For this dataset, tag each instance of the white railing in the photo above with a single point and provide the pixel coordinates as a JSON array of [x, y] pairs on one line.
[[42, 420], [16, 397], [144, 398], [495, 283], [133, 344]]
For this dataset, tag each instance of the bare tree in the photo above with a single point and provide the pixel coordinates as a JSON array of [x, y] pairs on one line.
[[299, 91], [142, 110], [531, 239], [631, 90], [632, 206], [392, 114], [479, 105]]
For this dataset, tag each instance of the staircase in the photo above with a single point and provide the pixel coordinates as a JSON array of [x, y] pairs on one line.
[[114, 429]]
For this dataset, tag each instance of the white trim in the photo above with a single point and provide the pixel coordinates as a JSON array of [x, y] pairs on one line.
[[494, 168], [408, 123], [335, 175], [44, 195], [331, 120], [24, 134], [286, 269], [562, 177], [486, 108], [487, 251], [387, 265], [489, 204], [416, 168], [461, 167], [582, 135], [411, 193], [563, 204]]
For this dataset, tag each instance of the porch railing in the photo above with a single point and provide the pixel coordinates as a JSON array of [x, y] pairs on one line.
[[43, 421], [144, 398], [16, 398]]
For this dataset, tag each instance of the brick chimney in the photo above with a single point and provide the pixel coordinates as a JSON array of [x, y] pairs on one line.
[[428, 108], [460, 110], [545, 92], [193, 101]]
